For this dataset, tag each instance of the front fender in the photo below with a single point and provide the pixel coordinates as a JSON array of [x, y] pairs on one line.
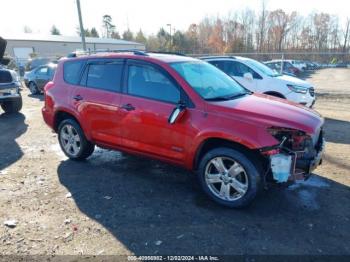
[[252, 139]]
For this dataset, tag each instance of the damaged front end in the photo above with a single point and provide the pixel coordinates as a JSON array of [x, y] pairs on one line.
[[297, 155]]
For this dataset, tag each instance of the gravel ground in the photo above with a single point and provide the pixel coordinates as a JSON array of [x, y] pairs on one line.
[[115, 203]]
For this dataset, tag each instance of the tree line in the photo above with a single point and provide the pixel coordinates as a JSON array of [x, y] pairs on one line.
[[248, 31], [242, 31]]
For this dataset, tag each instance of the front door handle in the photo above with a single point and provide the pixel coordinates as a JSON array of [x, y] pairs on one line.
[[128, 107], [78, 98]]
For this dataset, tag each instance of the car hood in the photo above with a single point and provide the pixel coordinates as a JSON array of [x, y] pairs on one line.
[[269, 111], [293, 80]]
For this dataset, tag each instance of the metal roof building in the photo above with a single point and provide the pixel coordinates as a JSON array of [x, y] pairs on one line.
[[20, 46]]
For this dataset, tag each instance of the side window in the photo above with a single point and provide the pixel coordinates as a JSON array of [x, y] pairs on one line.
[[242, 69], [287, 65], [71, 71], [43, 70], [278, 66], [105, 76], [232, 68], [148, 81], [219, 64], [271, 65]]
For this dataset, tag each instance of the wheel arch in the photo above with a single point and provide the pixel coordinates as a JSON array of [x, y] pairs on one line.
[[215, 142], [61, 115], [275, 94]]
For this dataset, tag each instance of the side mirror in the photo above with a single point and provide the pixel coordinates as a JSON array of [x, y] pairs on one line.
[[248, 76], [176, 113]]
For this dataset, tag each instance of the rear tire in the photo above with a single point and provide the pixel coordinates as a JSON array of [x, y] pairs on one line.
[[73, 141], [12, 106], [228, 177]]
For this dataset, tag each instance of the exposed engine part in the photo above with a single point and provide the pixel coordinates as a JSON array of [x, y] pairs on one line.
[[281, 167], [296, 155]]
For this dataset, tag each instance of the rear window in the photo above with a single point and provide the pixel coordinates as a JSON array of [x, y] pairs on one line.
[[5, 77], [72, 71]]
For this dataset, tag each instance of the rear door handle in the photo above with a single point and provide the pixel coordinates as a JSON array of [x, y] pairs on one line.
[[128, 107], [78, 98]]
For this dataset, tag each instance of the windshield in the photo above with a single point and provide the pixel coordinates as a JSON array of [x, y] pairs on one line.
[[263, 69], [208, 81]]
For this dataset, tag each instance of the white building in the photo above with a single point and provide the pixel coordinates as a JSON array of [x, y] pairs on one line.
[[20, 46]]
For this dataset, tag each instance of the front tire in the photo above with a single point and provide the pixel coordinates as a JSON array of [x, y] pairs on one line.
[[33, 88], [228, 177], [73, 141], [13, 106]]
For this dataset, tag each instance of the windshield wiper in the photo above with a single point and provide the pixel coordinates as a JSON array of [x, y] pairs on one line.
[[225, 98]]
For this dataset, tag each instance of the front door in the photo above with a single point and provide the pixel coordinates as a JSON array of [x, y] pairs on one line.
[[237, 70], [151, 95]]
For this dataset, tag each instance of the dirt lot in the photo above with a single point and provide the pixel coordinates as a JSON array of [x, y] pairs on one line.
[[120, 204]]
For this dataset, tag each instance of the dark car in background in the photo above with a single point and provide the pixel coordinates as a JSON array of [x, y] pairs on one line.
[[288, 68], [36, 79], [36, 62], [10, 96]]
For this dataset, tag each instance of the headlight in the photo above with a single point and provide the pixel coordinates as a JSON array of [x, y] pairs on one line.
[[290, 138], [298, 89]]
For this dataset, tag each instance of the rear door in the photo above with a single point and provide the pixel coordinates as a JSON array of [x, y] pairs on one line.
[[97, 100], [151, 94]]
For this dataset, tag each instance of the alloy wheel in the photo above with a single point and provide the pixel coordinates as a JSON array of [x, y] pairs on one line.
[[70, 140], [226, 178]]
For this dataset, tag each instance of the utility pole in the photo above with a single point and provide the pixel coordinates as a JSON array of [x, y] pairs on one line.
[[170, 45], [82, 30]]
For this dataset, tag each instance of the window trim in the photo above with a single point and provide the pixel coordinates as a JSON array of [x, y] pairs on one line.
[[85, 73], [80, 73], [184, 98]]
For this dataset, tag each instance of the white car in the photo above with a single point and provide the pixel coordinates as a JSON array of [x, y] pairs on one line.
[[259, 78]]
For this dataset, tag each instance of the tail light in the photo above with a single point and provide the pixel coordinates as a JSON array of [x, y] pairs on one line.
[[48, 86]]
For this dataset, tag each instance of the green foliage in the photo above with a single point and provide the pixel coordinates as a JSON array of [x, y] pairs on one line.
[[54, 30], [128, 35]]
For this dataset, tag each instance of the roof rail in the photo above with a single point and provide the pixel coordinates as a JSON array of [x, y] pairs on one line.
[[90, 52], [166, 53], [134, 51], [215, 56]]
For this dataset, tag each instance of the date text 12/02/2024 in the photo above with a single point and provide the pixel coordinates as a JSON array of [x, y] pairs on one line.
[[173, 258]]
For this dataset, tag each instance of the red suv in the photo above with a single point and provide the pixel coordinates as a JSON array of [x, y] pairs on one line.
[[186, 112]]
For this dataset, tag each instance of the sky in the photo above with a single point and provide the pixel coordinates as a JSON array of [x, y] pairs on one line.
[[149, 15]]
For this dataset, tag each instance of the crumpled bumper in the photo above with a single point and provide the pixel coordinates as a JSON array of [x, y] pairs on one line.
[[289, 165]]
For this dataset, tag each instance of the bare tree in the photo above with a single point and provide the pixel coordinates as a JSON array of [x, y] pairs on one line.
[[321, 27], [346, 34], [262, 20], [280, 24]]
